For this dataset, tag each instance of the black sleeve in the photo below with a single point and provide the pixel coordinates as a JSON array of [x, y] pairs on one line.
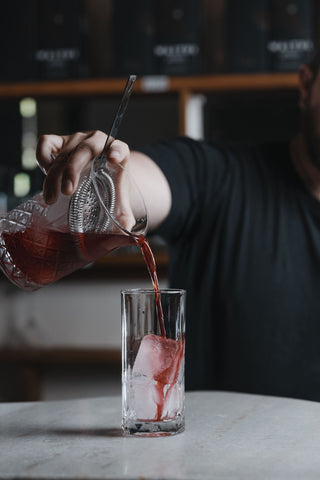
[[196, 173]]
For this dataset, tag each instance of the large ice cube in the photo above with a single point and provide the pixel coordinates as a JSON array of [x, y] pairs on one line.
[[144, 398], [156, 357], [155, 374]]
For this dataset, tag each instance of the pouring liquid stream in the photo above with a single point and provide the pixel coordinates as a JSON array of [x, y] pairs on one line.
[[151, 265]]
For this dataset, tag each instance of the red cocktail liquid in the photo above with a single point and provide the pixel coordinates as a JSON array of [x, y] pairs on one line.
[[166, 380], [167, 388], [152, 268], [45, 256], [158, 364]]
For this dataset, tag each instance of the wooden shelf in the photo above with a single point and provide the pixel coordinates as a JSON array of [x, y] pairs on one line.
[[132, 260], [115, 266], [24, 369], [144, 85], [122, 265], [212, 83], [42, 356]]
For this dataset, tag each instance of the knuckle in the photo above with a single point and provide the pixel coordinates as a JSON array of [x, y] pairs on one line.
[[79, 136], [42, 140], [96, 135], [83, 147], [61, 159]]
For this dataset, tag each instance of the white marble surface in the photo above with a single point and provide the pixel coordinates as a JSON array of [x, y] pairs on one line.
[[228, 436]]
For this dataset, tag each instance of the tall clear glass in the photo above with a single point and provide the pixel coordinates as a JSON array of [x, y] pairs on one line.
[[153, 362]]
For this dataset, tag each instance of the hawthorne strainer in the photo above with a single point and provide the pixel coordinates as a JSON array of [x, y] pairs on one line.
[[92, 206]]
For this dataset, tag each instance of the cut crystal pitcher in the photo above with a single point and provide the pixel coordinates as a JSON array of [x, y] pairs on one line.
[[42, 243]]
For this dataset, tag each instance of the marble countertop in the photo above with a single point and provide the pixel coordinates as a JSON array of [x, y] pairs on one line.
[[228, 435]]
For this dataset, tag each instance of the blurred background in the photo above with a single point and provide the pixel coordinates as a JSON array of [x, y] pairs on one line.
[[220, 70]]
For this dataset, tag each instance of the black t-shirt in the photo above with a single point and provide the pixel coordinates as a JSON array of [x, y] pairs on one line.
[[243, 236]]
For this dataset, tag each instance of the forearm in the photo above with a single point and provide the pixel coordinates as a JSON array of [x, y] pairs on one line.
[[153, 185]]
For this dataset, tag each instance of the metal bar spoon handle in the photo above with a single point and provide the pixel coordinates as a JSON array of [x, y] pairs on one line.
[[92, 206]]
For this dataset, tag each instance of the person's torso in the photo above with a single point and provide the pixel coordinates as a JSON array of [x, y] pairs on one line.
[[251, 269]]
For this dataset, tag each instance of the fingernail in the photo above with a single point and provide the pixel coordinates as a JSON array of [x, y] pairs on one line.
[[115, 154]]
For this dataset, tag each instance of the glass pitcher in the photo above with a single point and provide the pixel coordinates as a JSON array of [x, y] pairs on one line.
[[42, 243]]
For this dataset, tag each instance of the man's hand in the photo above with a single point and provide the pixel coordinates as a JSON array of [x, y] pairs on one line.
[[63, 158]]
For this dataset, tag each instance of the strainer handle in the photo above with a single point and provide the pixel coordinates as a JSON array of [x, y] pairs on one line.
[[117, 119]]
